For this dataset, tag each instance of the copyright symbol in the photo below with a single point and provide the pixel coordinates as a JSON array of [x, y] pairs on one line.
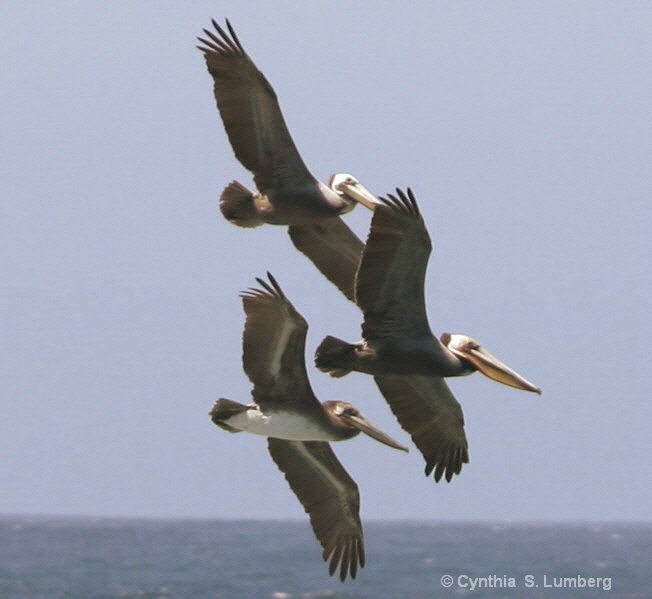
[[447, 580]]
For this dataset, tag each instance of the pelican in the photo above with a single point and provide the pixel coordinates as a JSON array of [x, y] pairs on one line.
[[299, 427], [287, 193], [408, 362]]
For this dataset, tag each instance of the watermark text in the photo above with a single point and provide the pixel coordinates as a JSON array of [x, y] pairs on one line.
[[529, 581]]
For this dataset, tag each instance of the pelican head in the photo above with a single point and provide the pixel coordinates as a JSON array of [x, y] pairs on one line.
[[352, 191], [350, 418], [480, 359]]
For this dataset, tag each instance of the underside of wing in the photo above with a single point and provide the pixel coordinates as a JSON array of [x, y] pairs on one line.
[[251, 113], [425, 407], [390, 280], [329, 496], [333, 248], [273, 344]]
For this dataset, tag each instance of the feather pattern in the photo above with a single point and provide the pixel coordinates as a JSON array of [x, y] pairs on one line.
[[390, 281], [251, 113], [331, 499], [273, 346], [333, 248], [426, 408]]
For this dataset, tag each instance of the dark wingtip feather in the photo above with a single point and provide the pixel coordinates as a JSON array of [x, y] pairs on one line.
[[332, 563], [409, 200], [224, 44], [207, 47], [402, 201], [220, 30], [353, 566], [271, 289], [274, 288], [275, 284], [345, 562], [447, 465], [439, 469], [234, 36], [347, 557]]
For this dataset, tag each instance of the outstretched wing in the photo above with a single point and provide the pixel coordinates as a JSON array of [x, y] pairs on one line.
[[273, 345], [329, 496], [425, 407], [390, 281], [333, 248], [251, 113]]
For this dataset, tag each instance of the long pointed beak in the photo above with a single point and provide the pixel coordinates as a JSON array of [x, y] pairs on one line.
[[364, 426], [358, 192], [488, 364]]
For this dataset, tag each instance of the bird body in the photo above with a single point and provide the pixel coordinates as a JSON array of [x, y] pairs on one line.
[[395, 355], [294, 205], [310, 423]]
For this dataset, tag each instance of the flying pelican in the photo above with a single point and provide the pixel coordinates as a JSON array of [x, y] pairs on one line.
[[288, 194], [398, 348], [299, 427]]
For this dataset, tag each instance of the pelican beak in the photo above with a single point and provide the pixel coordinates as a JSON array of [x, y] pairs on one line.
[[359, 422], [358, 192], [486, 363]]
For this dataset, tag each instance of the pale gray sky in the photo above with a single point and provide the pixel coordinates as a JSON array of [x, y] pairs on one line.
[[523, 128]]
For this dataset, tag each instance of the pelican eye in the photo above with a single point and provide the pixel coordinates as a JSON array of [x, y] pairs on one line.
[[337, 181], [459, 342], [344, 408]]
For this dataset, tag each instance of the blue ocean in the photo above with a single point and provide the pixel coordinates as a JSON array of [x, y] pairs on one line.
[[84, 558]]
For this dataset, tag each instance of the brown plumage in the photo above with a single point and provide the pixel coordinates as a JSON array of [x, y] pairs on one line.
[[297, 425], [334, 510], [333, 248], [398, 348], [288, 194]]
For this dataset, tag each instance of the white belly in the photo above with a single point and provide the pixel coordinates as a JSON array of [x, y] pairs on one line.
[[283, 425]]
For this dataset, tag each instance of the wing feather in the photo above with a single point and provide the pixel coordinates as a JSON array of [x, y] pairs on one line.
[[333, 248], [273, 345], [425, 407], [329, 496], [390, 281], [251, 113]]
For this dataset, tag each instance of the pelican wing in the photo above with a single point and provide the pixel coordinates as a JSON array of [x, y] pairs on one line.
[[251, 113], [329, 496], [390, 280], [425, 407], [273, 345], [333, 248]]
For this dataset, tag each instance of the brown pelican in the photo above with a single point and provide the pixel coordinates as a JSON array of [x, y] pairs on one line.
[[298, 426], [398, 348], [288, 194]]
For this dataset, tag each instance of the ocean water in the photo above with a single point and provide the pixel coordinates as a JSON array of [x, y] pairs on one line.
[[83, 558]]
